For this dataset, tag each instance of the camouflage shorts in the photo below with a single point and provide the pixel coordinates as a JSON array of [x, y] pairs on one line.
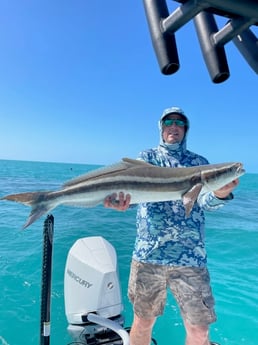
[[190, 286]]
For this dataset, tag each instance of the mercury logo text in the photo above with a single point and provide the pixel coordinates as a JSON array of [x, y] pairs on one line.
[[79, 279]]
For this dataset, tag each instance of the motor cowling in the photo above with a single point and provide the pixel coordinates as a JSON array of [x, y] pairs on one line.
[[91, 281]]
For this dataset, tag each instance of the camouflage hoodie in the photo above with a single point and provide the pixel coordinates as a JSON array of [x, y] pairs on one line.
[[164, 235]]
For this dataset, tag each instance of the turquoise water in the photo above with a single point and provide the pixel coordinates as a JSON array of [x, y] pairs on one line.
[[232, 234]]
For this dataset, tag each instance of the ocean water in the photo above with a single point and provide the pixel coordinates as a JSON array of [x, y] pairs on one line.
[[232, 237]]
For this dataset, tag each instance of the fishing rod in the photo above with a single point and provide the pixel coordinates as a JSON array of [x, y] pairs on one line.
[[48, 232]]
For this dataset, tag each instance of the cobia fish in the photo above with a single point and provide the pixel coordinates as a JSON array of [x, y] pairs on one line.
[[143, 181]]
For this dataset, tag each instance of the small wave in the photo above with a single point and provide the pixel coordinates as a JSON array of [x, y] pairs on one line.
[[3, 341]]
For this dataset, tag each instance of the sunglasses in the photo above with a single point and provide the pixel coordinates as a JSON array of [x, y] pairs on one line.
[[170, 122]]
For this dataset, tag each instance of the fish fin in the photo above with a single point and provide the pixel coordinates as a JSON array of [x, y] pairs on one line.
[[136, 162], [114, 168], [190, 197]]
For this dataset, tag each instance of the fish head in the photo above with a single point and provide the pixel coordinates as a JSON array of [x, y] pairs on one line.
[[217, 176]]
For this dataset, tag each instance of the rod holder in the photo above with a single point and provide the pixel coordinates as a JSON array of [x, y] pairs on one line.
[[247, 44], [214, 55], [164, 43]]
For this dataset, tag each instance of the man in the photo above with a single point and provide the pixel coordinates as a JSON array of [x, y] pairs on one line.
[[169, 248]]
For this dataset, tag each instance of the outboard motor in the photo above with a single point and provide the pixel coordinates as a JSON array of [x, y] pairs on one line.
[[92, 293]]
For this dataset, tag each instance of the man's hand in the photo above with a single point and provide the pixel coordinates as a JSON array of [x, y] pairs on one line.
[[223, 192], [120, 204]]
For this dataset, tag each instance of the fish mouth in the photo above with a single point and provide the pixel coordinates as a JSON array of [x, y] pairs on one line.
[[240, 170]]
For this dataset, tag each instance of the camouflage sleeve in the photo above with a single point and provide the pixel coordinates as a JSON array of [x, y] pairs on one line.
[[147, 156], [209, 202]]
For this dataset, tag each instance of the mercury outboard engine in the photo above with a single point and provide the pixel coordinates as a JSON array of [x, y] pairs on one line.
[[92, 293]]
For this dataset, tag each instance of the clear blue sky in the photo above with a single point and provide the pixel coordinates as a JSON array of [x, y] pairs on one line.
[[79, 82]]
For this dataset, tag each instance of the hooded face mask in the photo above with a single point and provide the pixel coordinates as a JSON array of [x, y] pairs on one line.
[[176, 146]]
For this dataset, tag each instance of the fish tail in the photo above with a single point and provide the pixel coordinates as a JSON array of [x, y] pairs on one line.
[[37, 201], [36, 212], [28, 199]]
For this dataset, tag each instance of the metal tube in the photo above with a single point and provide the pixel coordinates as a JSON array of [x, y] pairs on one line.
[[244, 8], [214, 56], [230, 30], [182, 15], [247, 44], [164, 43]]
